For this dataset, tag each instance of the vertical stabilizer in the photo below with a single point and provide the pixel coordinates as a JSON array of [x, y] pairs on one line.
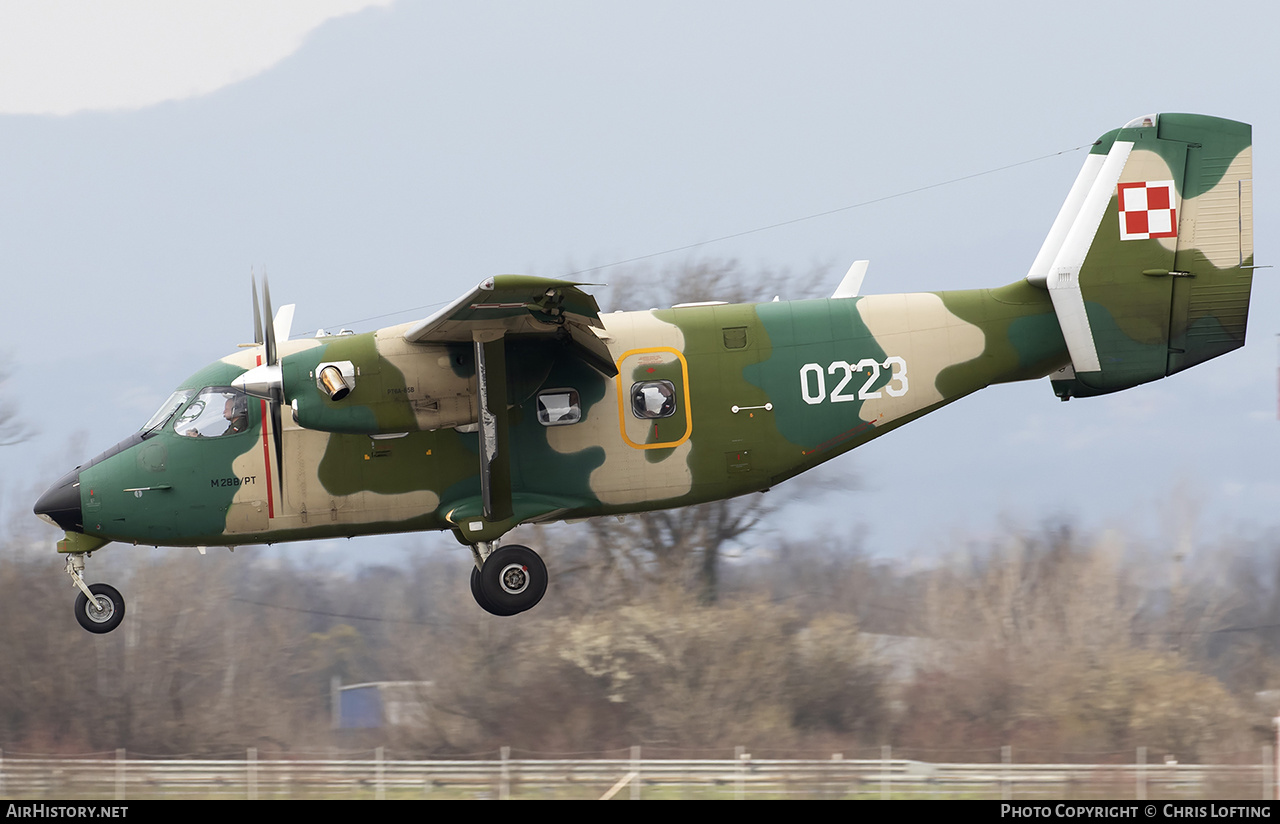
[[1149, 262]]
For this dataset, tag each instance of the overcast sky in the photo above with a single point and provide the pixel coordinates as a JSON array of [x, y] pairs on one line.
[[378, 158]]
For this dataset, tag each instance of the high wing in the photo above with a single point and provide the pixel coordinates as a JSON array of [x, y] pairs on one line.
[[502, 307], [517, 305]]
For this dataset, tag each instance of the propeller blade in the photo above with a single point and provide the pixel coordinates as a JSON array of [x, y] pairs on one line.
[[257, 315], [264, 380], [271, 358], [277, 435]]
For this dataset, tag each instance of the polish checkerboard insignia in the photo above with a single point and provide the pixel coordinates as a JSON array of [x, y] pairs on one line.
[[1148, 210]]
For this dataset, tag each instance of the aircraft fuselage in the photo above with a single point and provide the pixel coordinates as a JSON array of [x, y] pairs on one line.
[[761, 392]]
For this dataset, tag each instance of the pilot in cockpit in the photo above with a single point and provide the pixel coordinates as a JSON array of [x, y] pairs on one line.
[[236, 412], [204, 418]]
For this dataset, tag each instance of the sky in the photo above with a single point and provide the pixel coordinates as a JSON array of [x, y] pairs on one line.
[[377, 159]]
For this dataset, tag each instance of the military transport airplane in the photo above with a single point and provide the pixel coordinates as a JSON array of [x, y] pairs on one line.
[[519, 403]]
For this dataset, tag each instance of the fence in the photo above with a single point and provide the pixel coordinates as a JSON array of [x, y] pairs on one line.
[[122, 778]]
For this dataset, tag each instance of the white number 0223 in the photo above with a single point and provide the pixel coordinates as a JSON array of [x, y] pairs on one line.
[[813, 380]]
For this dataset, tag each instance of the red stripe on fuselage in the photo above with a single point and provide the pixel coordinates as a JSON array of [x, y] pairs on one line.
[[266, 456]]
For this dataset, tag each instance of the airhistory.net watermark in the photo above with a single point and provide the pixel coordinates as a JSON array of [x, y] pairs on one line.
[[64, 811]]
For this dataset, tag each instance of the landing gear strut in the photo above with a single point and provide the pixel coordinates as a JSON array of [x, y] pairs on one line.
[[509, 580], [99, 607]]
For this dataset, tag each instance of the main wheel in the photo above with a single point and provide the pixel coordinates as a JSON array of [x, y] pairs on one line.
[[513, 579], [103, 616], [478, 594]]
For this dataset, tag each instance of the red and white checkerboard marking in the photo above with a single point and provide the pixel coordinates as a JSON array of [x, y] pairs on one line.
[[1148, 210]]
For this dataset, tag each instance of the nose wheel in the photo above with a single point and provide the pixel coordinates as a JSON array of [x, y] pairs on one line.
[[99, 607], [104, 613], [512, 580]]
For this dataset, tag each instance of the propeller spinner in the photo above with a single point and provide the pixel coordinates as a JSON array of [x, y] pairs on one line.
[[264, 380]]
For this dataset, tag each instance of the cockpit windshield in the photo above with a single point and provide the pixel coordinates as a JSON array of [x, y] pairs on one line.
[[166, 410], [216, 411]]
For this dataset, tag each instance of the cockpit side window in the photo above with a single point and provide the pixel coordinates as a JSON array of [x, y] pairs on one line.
[[217, 411], [166, 410]]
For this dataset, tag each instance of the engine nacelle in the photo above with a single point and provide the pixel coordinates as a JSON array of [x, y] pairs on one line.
[[379, 393]]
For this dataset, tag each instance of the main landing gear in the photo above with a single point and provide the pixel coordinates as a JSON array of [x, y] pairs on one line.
[[507, 580], [99, 607]]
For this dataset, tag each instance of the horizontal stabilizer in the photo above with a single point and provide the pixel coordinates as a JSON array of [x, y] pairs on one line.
[[283, 323]]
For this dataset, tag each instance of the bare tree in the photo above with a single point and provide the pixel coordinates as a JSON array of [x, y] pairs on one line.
[[12, 428], [687, 540], [1039, 644], [644, 286]]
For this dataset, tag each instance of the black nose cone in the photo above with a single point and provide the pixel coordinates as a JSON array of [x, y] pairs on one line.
[[60, 503]]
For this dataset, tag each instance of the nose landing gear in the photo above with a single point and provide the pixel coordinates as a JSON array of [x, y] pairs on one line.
[[99, 607]]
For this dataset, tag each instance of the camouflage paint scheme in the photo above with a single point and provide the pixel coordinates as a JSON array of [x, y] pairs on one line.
[[763, 392]]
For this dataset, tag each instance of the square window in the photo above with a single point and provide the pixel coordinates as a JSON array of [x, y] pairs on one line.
[[559, 407]]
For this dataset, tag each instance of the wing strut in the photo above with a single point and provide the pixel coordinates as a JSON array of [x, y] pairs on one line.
[[495, 452]]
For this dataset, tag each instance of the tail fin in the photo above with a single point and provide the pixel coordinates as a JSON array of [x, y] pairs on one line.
[[1150, 260]]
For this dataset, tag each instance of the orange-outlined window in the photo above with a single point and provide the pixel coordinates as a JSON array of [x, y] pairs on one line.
[[647, 417]]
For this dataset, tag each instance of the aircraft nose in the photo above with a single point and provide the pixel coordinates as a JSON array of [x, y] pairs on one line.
[[60, 503]]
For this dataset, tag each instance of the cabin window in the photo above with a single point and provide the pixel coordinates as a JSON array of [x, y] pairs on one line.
[[653, 399], [216, 411], [559, 407]]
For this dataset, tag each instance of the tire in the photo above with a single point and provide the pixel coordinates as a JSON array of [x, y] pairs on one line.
[[478, 594], [106, 619], [513, 580]]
